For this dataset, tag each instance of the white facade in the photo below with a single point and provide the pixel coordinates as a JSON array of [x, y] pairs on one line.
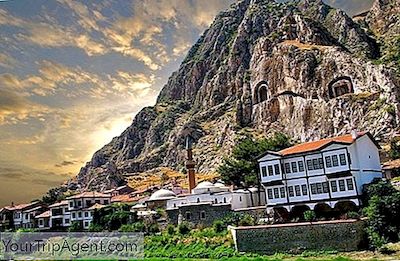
[[79, 206], [217, 194], [60, 216], [326, 171]]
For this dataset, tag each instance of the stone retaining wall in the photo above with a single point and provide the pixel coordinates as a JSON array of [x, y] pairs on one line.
[[341, 235]]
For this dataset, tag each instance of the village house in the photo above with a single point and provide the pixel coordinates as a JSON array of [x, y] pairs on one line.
[[80, 206], [60, 216], [6, 219], [43, 221], [24, 214], [328, 174]]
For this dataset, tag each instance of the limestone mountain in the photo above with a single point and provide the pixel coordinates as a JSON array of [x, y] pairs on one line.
[[302, 68]]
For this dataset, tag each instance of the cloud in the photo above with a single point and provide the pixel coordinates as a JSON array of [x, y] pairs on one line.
[[65, 163], [15, 108], [6, 61]]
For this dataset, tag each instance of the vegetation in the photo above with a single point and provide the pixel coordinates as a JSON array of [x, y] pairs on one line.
[[113, 217], [383, 212], [394, 152], [309, 215], [76, 226], [241, 168]]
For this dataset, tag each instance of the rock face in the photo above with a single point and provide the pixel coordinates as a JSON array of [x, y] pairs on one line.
[[305, 69]]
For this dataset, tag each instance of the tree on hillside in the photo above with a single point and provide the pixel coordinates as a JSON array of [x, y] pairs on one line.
[[241, 168]]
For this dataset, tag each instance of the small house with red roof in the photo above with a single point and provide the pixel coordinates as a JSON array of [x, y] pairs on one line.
[[325, 174]]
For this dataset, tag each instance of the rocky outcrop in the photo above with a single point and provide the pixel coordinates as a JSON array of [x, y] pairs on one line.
[[305, 69]]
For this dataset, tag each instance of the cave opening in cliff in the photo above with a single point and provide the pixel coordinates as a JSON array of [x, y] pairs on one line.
[[261, 92], [340, 86]]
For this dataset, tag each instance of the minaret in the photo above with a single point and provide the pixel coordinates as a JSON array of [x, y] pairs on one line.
[[190, 164]]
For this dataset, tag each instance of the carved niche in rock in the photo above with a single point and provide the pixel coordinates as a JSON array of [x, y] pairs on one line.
[[261, 92], [340, 86]]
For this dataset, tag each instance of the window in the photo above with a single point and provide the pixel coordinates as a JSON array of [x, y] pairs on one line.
[[198, 200], [290, 191], [328, 161], [73, 215], [342, 158], [71, 204], [342, 187], [79, 203], [79, 214], [287, 168], [97, 201], [315, 164], [304, 189], [325, 187], [202, 215], [105, 202], [88, 203], [67, 221], [40, 222], [334, 186], [350, 185], [301, 166], [294, 167], [276, 193], [313, 189], [320, 163], [86, 224], [86, 214], [297, 190], [224, 200], [270, 170], [319, 188], [270, 196], [335, 161], [277, 170], [188, 215], [216, 201], [282, 190], [309, 165], [240, 198], [264, 171]]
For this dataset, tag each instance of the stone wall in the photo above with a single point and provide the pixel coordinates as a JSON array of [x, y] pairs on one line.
[[211, 213], [342, 235], [256, 212]]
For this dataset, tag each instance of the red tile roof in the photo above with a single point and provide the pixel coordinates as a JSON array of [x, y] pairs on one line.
[[58, 204], [91, 194], [21, 206], [44, 215], [315, 145], [124, 198]]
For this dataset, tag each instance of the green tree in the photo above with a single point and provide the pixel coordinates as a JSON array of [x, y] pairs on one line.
[[241, 169], [383, 212]]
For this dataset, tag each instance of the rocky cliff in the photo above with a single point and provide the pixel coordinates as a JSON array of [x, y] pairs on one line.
[[304, 68]]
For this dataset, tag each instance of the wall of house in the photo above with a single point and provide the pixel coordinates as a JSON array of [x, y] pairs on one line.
[[343, 235], [212, 213]]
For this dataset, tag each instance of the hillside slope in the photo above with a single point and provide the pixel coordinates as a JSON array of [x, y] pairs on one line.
[[304, 69]]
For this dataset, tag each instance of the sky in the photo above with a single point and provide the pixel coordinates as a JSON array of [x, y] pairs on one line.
[[74, 73]]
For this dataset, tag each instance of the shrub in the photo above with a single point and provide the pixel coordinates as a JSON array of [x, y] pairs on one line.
[[218, 226], [383, 212], [153, 228], [95, 228], [309, 215], [75, 227], [183, 228], [353, 215], [246, 220], [170, 230]]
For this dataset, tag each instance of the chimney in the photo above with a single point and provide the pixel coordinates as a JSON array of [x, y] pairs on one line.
[[354, 134], [12, 204], [190, 164]]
